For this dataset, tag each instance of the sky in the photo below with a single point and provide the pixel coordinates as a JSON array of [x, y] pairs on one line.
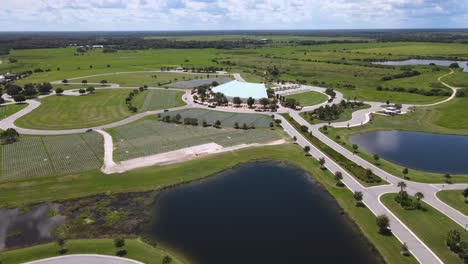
[[118, 15]]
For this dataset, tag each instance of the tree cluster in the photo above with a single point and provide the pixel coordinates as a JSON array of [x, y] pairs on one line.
[[9, 136], [401, 75], [431, 92], [457, 245], [333, 112]]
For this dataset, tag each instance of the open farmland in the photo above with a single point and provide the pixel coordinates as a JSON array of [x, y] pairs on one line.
[[157, 99], [150, 137], [227, 119], [51, 155]]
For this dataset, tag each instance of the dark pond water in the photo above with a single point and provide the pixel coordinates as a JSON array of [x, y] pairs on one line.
[[461, 64], [257, 213], [27, 227], [423, 151]]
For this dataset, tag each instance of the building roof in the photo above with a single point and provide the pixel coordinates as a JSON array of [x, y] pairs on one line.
[[242, 89]]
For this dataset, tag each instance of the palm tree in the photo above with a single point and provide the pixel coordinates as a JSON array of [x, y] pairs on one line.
[[322, 162], [405, 172], [402, 186], [465, 193], [419, 196], [338, 176], [358, 196]]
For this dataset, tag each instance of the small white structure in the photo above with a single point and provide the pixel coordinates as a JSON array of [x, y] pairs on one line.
[[98, 46], [243, 90], [392, 110]]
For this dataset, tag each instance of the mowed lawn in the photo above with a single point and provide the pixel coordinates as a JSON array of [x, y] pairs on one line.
[[429, 225], [157, 99], [8, 110], [51, 155], [136, 249], [309, 98], [148, 137], [453, 114], [455, 199], [68, 112], [457, 79], [137, 79]]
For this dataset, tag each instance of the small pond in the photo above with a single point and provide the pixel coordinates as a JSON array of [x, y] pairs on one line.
[[263, 212], [439, 153], [462, 64], [27, 226]]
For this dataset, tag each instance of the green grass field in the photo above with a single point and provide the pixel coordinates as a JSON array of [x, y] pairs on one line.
[[429, 225], [8, 110], [99, 108], [136, 249], [51, 155], [458, 79], [157, 99], [309, 98], [151, 178], [455, 199], [148, 137], [140, 79], [331, 65], [227, 119]]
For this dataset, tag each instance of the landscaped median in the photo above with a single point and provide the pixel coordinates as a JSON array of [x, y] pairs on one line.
[[456, 199], [429, 225], [364, 176], [136, 249], [157, 177]]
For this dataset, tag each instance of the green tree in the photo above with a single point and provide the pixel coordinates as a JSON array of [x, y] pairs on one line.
[[376, 158], [61, 243], [103, 82], [178, 117], [250, 102], [59, 91], [405, 173], [382, 223], [166, 259], [19, 98], [218, 123], [237, 101], [84, 82], [338, 177], [65, 81], [465, 193], [9, 136], [355, 148], [82, 91], [358, 196], [419, 196], [90, 89], [119, 242], [307, 149], [321, 161], [264, 102]]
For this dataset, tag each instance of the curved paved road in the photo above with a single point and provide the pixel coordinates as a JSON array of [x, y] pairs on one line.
[[85, 259], [371, 194]]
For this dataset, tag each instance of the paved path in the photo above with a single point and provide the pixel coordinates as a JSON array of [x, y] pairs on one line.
[[371, 194], [85, 259]]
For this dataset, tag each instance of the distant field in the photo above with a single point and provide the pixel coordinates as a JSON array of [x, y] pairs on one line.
[[67, 112], [309, 98], [8, 110], [253, 37], [141, 79], [51, 155], [150, 137], [157, 99], [227, 119], [344, 67]]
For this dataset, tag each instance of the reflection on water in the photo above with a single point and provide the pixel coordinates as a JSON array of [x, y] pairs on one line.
[[423, 151], [27, 227], [257, 213], [461, 64]]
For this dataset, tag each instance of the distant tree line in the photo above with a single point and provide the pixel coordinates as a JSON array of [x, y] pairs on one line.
[[431, 92]]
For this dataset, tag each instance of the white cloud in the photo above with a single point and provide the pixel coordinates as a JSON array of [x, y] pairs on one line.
[[228, 14]]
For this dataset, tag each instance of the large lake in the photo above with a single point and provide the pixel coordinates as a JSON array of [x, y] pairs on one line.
[[438, 153], [257, 213], [462, 64]]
